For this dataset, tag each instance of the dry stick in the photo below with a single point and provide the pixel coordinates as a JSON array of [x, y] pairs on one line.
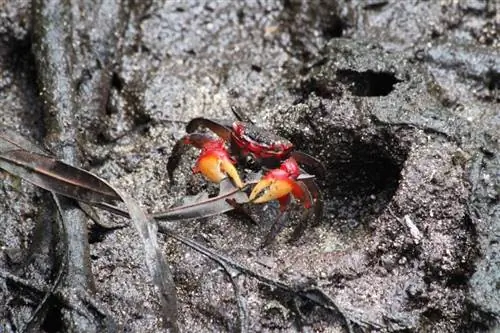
[[82, 295], [54, 61], [60, 274], [51, 291], [40, 254], [242, 308], [76, 183], [155, 262], [61, 295], [315, 295]]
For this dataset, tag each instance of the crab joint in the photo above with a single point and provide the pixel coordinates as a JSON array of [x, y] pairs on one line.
[[215, 165]]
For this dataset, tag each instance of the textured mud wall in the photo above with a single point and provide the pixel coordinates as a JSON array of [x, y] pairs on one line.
[[399, 99]]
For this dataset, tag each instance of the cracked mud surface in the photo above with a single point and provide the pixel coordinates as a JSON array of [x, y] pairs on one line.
[[399, 101]]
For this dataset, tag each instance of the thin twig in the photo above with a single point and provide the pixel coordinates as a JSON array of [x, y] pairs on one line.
[[311, 294], [242, 308]]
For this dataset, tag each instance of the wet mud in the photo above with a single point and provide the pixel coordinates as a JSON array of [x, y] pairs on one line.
[[399, 100]]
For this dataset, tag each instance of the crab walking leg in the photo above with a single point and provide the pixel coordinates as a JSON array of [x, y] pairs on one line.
[[280, 221], [312, 162], [218, 128], [316, 199], [306, 215]]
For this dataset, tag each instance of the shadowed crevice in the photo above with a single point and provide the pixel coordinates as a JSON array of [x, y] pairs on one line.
[[368, 83]]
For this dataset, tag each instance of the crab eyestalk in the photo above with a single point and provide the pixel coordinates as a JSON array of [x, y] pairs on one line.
[[278, 184], [215, 163]]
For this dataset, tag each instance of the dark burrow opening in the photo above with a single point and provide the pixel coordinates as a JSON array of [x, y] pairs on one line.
[[53, 321], [363, 173], [308, 25], [364, 84], [368, 83]]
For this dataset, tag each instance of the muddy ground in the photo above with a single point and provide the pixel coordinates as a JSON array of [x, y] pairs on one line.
[[400, 100]]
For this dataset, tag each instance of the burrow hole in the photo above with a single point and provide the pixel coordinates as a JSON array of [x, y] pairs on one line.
[[364, 84], [363, 172], [368, 83]]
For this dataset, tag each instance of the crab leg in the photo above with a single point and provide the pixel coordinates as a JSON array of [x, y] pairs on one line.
[[306, 215], [316, 198], [280, 221], [222, 130], [240, 115], [312, 162]]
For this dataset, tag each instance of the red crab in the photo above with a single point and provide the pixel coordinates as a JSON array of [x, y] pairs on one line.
[[242, 143]]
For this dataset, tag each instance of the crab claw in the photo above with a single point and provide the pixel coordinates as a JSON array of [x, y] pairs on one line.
[[216, 164], [273, 189], [278, 184]]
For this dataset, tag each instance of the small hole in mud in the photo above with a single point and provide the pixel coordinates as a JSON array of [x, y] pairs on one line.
[[457, 280], [492, 80], [432, 315], [367, 83], [321, 88], [117, 82], [53, 319], [256, 68], [363, 173], [363, 184], [333, 27]]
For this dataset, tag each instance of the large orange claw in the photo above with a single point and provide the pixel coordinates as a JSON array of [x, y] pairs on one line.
[[273, 189], [278, 184], [215, 164]]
